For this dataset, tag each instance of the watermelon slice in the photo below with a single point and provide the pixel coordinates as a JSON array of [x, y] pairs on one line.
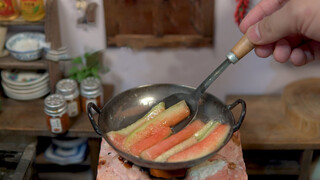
[[209, 144], [171, 141], [140, 146], [210, 125], [156, 110], [187, 143], [167, 118], [117, 137]]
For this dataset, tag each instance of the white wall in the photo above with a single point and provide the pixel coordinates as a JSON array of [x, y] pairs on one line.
[[129, 68]]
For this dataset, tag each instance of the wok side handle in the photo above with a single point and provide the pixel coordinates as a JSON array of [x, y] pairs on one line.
[[242, 115], [91, 106]]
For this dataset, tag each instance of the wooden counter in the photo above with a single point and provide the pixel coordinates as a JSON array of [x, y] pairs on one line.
[[264, 126]]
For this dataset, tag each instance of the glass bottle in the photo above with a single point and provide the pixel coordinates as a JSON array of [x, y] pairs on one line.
[[8, 10], [91, 91], [32, 10], [56, 114], [69, 89]]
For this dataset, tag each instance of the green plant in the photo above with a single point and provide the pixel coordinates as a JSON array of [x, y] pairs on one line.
[[91, 67]]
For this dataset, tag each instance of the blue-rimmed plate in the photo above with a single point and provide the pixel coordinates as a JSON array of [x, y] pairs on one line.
[[24, 78]]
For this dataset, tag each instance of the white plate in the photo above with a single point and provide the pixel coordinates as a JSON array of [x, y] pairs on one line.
[[30, 87], [24, 91], [30, 96], [24, 78]]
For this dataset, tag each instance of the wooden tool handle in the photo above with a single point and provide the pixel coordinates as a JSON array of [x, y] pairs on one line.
[[243, 47]]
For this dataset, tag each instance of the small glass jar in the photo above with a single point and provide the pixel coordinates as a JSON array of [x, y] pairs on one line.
[[91, 91], [69, 89], [56, 114]]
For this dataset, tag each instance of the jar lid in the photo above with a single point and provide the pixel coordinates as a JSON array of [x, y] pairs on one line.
[[90, 87], [55, 104], [68, 88]]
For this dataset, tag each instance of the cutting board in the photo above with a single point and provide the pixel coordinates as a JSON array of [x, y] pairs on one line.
[[301, 101]]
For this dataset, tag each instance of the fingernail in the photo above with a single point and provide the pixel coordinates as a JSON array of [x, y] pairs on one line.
[[308, 55], [253, 33]]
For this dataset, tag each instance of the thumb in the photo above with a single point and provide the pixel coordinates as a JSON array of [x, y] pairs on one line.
[[274, 27]]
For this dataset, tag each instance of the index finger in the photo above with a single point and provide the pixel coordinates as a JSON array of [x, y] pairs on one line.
[[261, 10]]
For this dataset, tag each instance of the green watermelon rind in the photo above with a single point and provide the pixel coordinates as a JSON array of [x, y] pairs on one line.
[[156, 110]]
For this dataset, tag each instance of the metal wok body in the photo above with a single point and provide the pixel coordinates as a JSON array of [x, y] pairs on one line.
[[129, 106]]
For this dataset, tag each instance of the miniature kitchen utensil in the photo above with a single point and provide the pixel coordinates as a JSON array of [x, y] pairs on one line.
[[242, 47]]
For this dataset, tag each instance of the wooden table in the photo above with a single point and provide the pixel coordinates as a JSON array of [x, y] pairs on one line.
[[264, 128], [28, 118]]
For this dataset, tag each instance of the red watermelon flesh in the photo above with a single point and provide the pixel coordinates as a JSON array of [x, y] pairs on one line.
[[167, 118], [117, 139], [177, 148], [209, 144], [144, 144], [156, 150], [186, 143]]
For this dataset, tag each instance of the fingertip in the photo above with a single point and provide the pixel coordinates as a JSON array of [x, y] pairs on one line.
[[243, 27], [282, 51], [264, 51], [308, 55], [253, 33], [298, 57]]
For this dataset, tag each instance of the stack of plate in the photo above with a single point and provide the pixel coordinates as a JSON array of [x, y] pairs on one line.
[[25, 85], [66, 151], [56, 55]]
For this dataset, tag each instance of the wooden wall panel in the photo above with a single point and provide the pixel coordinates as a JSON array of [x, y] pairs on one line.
[[159, 23]]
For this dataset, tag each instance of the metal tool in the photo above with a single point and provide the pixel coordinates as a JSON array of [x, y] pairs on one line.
[[242, 47]]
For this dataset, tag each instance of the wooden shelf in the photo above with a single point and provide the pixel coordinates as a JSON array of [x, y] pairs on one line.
[[28, 118], [21, 21], [8, 62], [52, 67]]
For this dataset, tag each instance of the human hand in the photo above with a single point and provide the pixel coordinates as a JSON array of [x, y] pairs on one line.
[[288, 29]]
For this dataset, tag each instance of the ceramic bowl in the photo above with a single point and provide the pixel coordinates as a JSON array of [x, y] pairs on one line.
[[26, 46]]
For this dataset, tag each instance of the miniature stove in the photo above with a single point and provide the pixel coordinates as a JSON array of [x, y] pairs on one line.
[[226, 164]]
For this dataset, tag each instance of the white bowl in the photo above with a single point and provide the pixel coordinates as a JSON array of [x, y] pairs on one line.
[[24, 78], [26, 46]]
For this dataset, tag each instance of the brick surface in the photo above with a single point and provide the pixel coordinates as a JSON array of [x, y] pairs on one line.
[[226, 164]]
